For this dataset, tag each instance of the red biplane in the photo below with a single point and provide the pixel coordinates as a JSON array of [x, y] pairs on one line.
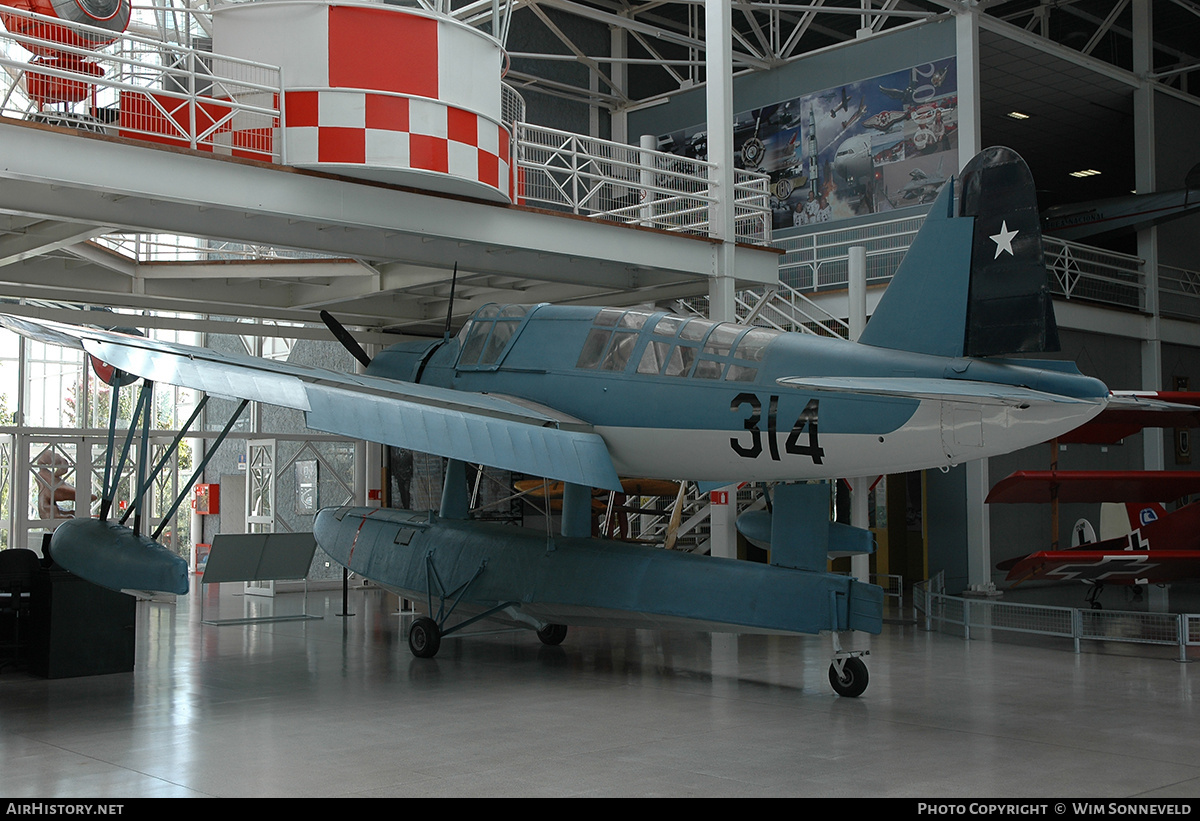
[[1158, 547]]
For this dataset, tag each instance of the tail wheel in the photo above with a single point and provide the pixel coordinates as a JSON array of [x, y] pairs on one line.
[[852, 680], [552, 634]]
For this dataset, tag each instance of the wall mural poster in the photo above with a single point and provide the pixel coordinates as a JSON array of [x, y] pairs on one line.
[[865, 147]]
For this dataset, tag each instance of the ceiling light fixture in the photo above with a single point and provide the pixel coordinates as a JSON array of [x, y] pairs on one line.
[[1017, 115], [1087, 172]]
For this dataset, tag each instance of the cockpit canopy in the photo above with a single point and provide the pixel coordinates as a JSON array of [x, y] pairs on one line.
[[488, 335], [636, 341]]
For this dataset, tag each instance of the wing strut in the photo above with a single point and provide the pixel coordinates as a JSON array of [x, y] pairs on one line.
[[112, 477], [166, 457], [200, 469]]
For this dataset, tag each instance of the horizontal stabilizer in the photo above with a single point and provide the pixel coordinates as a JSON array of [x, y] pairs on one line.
[[957, 390], [1129, 412], [844, 540]]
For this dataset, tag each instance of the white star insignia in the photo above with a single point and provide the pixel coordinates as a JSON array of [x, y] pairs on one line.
[[1004, 239]]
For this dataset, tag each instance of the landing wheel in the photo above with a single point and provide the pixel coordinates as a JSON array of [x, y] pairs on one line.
[[424, 638], [552, 634], [853, 679]]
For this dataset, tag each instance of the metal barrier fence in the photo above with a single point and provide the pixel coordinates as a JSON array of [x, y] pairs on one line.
[[175, 248], [137, 87], [625, 183], [930, 602], [893, 587], [1082, 272], [820, 260], [1180, 292]]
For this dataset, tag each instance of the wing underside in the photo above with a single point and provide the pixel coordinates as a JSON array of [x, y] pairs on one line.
[[459, 425]]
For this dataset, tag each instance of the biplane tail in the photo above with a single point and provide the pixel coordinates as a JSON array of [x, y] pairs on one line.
[[974, 280]]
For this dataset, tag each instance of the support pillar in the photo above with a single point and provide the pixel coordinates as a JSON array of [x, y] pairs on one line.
[[860, 486], [718, 27], [1145, 167], [970, 143]]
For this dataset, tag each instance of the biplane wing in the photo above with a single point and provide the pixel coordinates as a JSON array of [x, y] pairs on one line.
[[1044, 486]]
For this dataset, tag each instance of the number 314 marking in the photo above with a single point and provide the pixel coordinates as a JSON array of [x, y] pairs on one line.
[[806, 420]]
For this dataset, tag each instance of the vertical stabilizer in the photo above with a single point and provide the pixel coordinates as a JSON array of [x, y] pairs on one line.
[[924, 309], [973, 283]]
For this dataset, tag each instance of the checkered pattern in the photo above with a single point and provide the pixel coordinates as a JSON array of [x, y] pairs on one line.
[[392, 132], [376, 91]]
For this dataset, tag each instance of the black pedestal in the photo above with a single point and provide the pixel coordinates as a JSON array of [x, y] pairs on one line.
[[79, 628]]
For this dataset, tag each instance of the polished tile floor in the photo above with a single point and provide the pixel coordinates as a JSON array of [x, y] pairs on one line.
[[338, 707]]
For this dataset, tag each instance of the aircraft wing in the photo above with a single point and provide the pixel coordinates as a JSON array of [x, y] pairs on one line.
[[1106, 566], [1043, 486], [957, 390], [468, 426]]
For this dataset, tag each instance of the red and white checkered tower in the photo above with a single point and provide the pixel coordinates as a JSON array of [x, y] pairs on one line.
[[398, 95]]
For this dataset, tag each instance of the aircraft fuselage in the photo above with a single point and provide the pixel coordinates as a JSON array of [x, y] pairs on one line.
[[674, 397]]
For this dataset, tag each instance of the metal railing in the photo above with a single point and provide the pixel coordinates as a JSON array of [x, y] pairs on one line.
[[784, 308], [939, 610], [512, 106], [820, 260], [636, 186], [175, 248], [137, 87], [893, 587], [1179, 292], [1082, 272]]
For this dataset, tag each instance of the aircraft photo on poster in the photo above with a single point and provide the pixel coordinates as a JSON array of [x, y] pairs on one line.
[[865, 147]]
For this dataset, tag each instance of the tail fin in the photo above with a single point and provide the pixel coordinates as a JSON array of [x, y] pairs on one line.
[[973, 283], [1143, 513]]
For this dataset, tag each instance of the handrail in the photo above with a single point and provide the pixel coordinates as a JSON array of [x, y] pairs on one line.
[[625, 183], [139, 87]]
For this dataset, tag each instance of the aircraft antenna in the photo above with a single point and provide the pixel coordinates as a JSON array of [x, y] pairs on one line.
[[450, 307]]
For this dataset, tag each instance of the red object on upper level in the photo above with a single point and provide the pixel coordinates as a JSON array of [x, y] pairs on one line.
[[110, 15]]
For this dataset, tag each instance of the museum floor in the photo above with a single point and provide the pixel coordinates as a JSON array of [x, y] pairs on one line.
[[339, 707]]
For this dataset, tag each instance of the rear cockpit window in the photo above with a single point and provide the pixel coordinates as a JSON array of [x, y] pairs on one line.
[[611, 342], [673, 346]]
